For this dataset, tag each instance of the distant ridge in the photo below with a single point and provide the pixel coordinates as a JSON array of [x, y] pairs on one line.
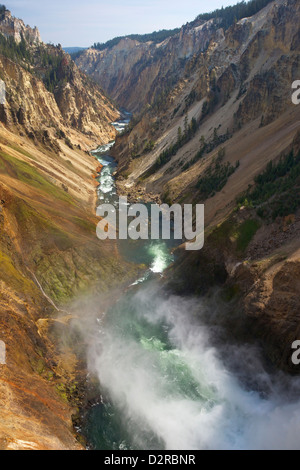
[[73, 50]]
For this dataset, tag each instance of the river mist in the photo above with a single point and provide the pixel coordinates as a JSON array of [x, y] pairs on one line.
[[171, 375], [166, 383]]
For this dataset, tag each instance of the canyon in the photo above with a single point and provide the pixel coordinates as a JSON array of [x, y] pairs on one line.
[[48, 250], [221, 111], [213, 123]]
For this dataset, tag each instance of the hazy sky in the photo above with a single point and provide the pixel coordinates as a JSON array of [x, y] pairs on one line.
[[83, 22]]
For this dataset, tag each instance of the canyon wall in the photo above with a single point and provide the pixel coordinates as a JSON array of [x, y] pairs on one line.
[[49, 253], [215, 109]]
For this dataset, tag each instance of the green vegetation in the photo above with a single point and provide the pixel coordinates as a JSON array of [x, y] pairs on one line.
[[160, 98], [20, 150], [2, 11], [48, 63], [76, 55], [244, 234], [39, 227], [156, 37], [149, 146], [24, 172], [277, 188], [12, 275], [67, 391], [85, 225], [234, 234], [53, 67], [215, 176], [182, 138], [207, 147], [18, 52], [38, 365], [189, 132], [62, 392], [51, 242], [231, 292], [228, 16], [232, 14], [198, 155]]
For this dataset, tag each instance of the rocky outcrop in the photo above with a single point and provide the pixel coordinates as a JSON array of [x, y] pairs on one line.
[[84, 106], [271, 305], [136, 74], [49, 252], [16, 28], [27, 103], [231, 100], [235, 88], [78, 106], [256, 289], [46, 90]]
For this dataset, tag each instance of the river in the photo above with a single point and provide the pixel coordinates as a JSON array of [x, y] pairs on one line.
[[165, 385]]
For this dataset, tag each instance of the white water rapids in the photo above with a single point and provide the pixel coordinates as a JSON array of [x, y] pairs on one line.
[[166, 383]]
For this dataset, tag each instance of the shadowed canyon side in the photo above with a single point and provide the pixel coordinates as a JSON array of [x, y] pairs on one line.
[[49, 253], [224, 112]]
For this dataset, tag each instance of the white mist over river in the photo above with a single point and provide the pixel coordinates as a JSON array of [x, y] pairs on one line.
[[169, 389], [165, 384]]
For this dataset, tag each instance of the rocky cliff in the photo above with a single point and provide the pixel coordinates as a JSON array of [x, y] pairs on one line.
[[223, 131], [16, 28], [217, 126], [45, 91], [137, 74], [49, 253], [77, 107], [242, 81]]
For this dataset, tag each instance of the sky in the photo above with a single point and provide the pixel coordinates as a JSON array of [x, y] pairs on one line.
[[83, 22]]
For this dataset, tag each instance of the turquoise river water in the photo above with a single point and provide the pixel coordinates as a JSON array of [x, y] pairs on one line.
[[165, 385]]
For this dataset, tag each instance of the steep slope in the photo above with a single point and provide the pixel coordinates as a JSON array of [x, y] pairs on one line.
[[241, 82], [16, 28], [45, 89], [49, 251], [209, 139], [139, 74], [140, 71]]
